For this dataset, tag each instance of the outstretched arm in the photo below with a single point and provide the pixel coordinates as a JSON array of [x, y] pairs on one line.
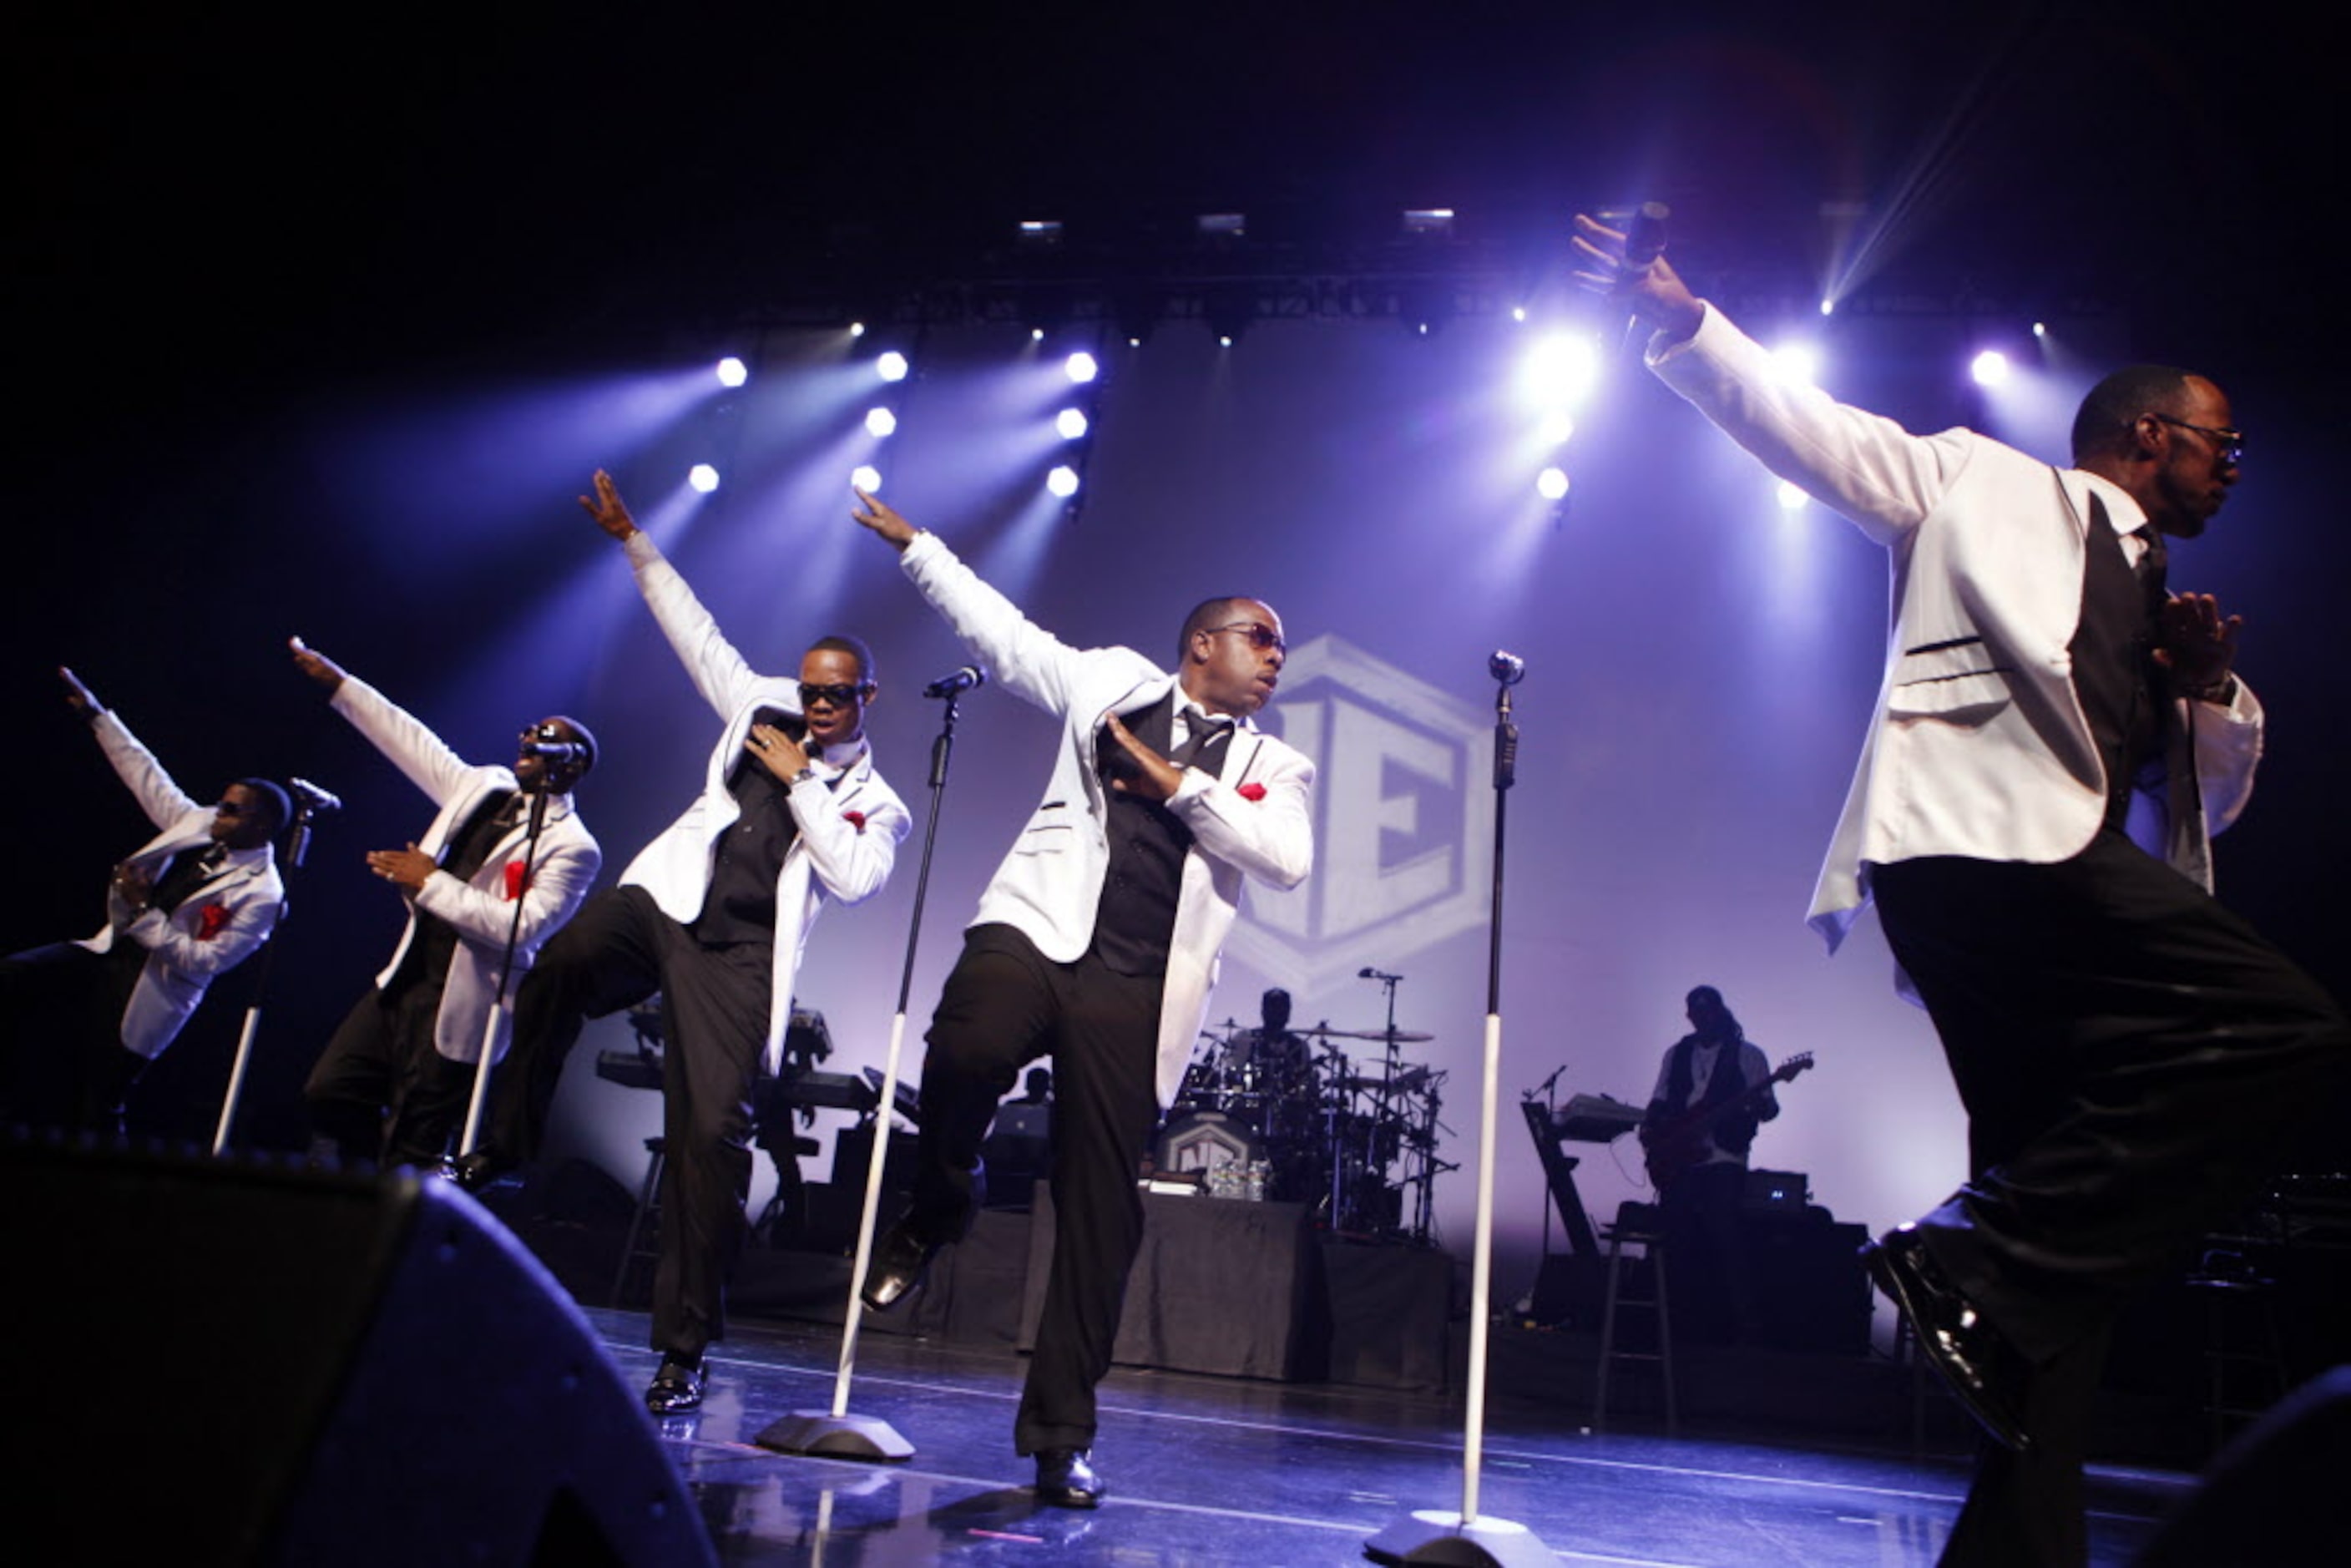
[[1037, 665], [406, 740], [717, 671], [163, 800]]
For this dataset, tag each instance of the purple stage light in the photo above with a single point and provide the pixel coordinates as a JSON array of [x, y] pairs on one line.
[[733, 372], [1560, 370], [1062, 481], [1990, 368], [881, 422], [1551, 483], [702, 478], [892, 366], [1080, 367], [866, 478], [1071, 424]]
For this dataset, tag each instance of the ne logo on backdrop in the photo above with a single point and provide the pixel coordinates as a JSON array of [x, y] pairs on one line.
[[1403, 817]]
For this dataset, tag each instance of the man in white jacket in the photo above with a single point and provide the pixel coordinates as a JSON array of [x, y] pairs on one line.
[[395, 1077], [82, 1020], [2055, 740], [1097, 943], [714, 914]]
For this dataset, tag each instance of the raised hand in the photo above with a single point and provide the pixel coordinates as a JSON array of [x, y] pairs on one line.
[[879, 516], [316, 665], [611, 513]]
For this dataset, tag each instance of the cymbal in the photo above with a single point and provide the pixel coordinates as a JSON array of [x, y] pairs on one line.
[[1408, 1035]]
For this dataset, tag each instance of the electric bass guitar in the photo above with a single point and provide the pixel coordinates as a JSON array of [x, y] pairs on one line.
[[1682, 1143]]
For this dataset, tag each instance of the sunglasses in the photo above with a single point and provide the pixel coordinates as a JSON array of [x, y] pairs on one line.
[[1261, 636], [839, 696]]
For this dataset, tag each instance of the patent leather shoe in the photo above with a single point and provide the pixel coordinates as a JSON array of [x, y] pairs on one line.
[[899, 1259], [1984, 1369], [676, 1387], [1066, 1479]]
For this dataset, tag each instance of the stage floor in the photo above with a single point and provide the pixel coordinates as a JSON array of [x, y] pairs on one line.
[[1205, 1470]]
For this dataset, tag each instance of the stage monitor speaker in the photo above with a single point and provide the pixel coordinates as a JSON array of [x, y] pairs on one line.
[[223, 1361]]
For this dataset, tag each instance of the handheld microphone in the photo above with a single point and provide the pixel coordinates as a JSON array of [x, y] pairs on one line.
[[1368, 973], [966, 679], [1506, 667], [557, 751], [317, 801], [1644, 236]]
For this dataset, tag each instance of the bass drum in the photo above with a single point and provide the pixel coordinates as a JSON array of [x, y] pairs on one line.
[[1203, 1140]]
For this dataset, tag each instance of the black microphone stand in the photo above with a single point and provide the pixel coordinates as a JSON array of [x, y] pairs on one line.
[[482, 1063], [298, 847], [836, 1432], [1463, 1539]]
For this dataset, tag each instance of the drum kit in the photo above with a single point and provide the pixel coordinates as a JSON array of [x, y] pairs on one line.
[[1291, 1116]]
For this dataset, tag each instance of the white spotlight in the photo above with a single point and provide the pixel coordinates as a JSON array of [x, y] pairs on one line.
[[892, 366], [866, 478], [1557, 429], [1224, 340], [1518, 313], [1798, 364], [1559, 371], [1062, 481], [1080, 367], [1990, 368], [2040, 329], [881, 422], [1551, 483], [1791, 499], [1828, 306], [733, 372], [1071, 424], [702, 478], [1036, 334]]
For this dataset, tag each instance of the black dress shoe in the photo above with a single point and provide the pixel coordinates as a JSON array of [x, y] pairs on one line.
[[1064, 1479], [1982, 1368], [676, 1387], [897, 1264]]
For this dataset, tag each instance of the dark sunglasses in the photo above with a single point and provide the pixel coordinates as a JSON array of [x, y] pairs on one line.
[[1260, 635], [839, 696]]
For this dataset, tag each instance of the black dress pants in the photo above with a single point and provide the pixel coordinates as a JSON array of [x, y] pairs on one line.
[[617, 951], [2133, 1058], [62, 1061], [380, 1089], [1005, 1005]]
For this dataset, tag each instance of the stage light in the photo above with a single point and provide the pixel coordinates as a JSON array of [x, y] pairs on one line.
[[1080, 367], [1071, 424], [1797, 364], [1222, 225], [1224, 340], [1791, 499], [857, 329], [1039, 233], [702, 478], [2040, 329], [733, 372], [1519, 313], [1551, 483], [1558, 428], [1559, 371], [1428, 221], [1036, 334], [1990, 368], [892, 366], [866, 478], [1828, 306], [1062, 481], [881, 422]]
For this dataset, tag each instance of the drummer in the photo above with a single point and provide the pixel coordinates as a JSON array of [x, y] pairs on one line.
[[1276, 1060]]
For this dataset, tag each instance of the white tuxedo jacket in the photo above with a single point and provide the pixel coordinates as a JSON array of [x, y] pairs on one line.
[[1254, 819], [480, 909], [848, 837], [1979, 746], [223, 921]]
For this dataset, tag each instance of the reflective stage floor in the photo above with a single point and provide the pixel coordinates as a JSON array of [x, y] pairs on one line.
[[1204, 1471]]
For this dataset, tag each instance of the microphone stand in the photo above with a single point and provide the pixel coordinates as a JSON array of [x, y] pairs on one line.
[[480, 1096], [836, 1432], [297, 846], [1436, 1536]]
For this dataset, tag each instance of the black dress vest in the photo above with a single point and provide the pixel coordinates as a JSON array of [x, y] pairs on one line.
[[1136, 916], [2114, 673]]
